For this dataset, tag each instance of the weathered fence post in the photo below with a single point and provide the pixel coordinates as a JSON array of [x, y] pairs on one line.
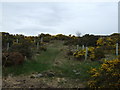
[[37, 45], [17, 40], [41, 39], [34, 41], [8, 46], [83, 47], [116, 49], [25, 58], [86, 53], [77, 47]]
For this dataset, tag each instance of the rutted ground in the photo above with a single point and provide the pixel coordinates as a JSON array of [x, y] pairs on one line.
[[52, 76]]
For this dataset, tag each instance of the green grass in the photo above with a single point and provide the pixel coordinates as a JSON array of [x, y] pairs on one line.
[[67, 69], [43, 62]]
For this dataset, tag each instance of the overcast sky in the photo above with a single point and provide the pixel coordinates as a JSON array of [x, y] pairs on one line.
[[66, 18]]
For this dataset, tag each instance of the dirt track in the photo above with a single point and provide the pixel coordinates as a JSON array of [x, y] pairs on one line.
[[43, 82]]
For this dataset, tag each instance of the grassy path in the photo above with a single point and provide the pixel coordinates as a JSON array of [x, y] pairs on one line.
[[54, 59], [46, 61], [67, 73]]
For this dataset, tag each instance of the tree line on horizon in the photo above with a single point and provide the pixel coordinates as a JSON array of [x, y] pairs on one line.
[[87, 39]]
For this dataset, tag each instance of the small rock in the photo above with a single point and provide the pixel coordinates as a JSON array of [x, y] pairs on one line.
[[58, 79], [74, 71], [24, 81], [16, 83], [33, 76], [39, 75], [77, 73], [32, 86], [50, 74]]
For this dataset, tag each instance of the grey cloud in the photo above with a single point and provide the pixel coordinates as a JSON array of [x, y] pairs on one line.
[[32, 18]]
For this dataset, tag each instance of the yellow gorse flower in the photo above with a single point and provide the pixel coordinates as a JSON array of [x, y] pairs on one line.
[[104, 66], [96, 74]]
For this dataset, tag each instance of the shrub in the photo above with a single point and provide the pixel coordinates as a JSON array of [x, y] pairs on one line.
[[97, 54], [93, 54], [42, 48], [107, 76], [13, 58], [24, 48], [108, 43], [79, 55], [69, 52]]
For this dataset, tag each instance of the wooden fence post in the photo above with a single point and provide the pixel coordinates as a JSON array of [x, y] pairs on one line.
[[77, 47], [17, 40], [8, 46], [41, 39], [83, 47]]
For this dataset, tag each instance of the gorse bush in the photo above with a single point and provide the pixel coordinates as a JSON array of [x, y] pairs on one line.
[[97, 54], [93, 54], [79, 55], [108, 43], [24, 48], [107, 76], [12, 58]]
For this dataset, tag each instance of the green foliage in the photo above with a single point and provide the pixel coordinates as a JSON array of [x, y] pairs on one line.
[[43, 48], [71, 41], [40, 49], [69, 52], [97, 54], [89, 40], [108, 43], [24, 48], [6, 38]]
